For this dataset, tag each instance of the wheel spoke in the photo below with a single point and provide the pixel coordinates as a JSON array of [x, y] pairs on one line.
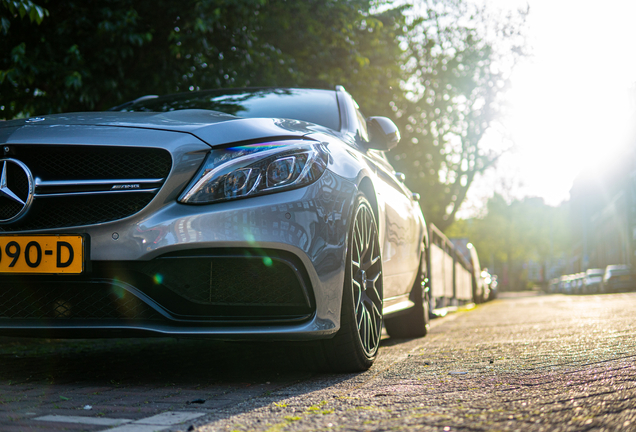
[[376, 313], [374, 290], [358, 238], [369, 334], [375, 333], [371, 253], [367, 324], [357, 298], [363, 222], [371, 228], [360, 317], [361, 247]]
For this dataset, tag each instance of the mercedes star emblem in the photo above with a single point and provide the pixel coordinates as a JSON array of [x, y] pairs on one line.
[[16, 190]]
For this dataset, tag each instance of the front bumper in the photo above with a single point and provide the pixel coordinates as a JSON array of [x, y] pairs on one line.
[[287, 251]]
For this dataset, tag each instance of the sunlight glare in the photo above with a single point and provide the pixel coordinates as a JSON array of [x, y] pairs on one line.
[[571, 104]]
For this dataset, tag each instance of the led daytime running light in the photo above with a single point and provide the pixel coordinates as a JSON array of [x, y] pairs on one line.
[[245, 171]]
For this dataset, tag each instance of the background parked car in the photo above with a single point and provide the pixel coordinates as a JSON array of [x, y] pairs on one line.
[[578, 281], [593, 280], [565, 284], [618, 278]]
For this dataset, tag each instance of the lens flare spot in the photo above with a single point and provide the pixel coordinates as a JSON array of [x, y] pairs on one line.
[[267, 261], [158, 278], [118, 291]]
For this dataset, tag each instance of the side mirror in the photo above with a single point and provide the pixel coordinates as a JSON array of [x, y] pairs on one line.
[[383, 133]]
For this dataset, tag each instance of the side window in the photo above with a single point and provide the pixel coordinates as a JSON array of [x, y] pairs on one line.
[[363, 125], [362, 122]]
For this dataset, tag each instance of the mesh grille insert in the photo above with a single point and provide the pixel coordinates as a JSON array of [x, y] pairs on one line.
[[79, 210], [95, 162], [229, 281], [68, 301], [9, 208]]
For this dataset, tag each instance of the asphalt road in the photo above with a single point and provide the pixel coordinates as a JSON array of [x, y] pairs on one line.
[[527, 363]]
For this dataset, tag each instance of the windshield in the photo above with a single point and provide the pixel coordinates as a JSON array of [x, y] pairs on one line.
[[314, 106], [620, 272]]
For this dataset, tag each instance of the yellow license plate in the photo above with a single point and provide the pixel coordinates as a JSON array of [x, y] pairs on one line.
[[42, 254]]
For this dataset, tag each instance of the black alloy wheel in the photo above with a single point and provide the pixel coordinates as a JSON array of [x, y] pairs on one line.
[[366, 279], [355, 345]]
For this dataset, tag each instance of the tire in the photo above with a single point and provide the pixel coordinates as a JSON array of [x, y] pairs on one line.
[[415, 322], [355, 346]]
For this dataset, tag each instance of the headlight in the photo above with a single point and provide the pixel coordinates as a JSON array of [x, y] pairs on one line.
[[256, 169]]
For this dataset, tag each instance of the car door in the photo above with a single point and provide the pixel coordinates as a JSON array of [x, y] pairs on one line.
[[401, 215], [400, 249]]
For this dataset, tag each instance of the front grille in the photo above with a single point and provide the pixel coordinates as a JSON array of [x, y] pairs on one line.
[[75, 166], [94, 162], [229, 281], [71, 301], [79, 210]]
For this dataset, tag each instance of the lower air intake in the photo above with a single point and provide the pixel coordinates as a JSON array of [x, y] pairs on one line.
[[68, 301]]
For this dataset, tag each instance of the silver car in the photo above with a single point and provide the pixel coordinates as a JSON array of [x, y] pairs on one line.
[[231, 214]]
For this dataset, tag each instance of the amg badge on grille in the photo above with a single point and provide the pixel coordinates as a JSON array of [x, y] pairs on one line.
[[126, 186], [16, 190]]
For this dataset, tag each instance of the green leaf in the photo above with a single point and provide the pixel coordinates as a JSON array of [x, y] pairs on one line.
[[74, 80], [26, 8], [5, 24]]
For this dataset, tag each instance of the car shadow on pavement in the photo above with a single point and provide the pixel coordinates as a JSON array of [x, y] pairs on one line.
[[153, 375], [145, 361], [139, 378]]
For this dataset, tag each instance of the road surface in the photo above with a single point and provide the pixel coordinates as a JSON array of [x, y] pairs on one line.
[[526, 362]]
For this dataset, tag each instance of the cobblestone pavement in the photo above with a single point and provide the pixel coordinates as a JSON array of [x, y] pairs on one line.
[[527, 363]]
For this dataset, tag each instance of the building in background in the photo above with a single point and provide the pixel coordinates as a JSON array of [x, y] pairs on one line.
[[604, 216]]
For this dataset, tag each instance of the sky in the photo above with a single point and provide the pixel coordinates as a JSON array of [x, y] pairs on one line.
[[571, 103]]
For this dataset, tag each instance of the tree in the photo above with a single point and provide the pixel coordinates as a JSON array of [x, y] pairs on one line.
[[512, 234], [439, 68], [94, 55], [457, 67]]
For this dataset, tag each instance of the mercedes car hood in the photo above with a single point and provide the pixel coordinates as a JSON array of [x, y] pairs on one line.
[[212, 127]]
